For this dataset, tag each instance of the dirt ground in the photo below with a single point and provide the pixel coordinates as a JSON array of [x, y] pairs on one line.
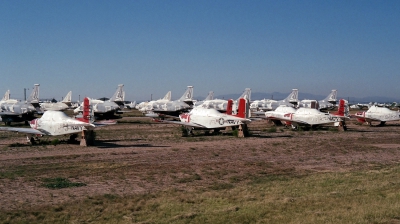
[[135, 156]]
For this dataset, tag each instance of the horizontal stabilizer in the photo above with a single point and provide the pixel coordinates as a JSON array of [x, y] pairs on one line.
[[22, 130], [182, 123]]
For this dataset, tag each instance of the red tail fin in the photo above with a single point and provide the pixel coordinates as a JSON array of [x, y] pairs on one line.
[[229, 107], [86, 111], [341, 107], [241, 108]]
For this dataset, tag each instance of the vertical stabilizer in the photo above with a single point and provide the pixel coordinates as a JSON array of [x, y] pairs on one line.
[[167, 96], [210, 96], [229, 107], [243, 108], [34, 97], [293, 97], [118, 95], [188, 95], [343, 109], [246, 95], [331, 98], [68, 98], [87, 111], [6, 96]]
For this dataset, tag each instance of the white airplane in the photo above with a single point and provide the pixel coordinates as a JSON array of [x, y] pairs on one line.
[[222, 105], [278, 115], [145, 107], [105, 109], [375, 113], [212, 119], [173, 108], [55, 123], [5, 98], [218, 104], [209, 97], [312, 117], [16, 111], [268, 104], [328, 102], [129, 104], [63, 105]]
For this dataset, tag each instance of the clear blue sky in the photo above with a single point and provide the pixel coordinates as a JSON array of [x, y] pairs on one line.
[[152, 47]]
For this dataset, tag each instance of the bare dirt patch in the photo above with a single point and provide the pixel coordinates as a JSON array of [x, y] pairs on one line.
[[137, 156]]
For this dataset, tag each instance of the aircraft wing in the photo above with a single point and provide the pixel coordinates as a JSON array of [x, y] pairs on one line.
[[182, 123], [22, 130], [259, 113], [156, 115], [104, 122], [8, 113], [124, 111]]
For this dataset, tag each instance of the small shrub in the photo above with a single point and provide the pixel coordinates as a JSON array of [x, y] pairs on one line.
[[55, 141], [59, 182]]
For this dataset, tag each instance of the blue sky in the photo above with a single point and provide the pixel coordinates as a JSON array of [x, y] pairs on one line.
[[152, 47]]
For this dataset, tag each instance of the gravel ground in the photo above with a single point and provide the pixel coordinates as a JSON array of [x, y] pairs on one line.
[[136, 156]]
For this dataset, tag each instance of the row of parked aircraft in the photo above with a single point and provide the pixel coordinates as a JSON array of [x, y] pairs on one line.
[[290, 110], [18, 111], [210, 114]]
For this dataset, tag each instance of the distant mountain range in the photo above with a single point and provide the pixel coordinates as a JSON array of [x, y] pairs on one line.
[[302, 96]]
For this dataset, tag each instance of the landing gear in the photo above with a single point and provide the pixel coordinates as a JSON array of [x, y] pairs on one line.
[[243, 131], [32, 140], [72, 138], [342, 126], [87, 138], [277, 122], [187, 131], [216, 131]]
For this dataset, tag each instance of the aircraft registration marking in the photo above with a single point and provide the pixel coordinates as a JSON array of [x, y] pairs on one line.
[[73, 128], [222, 121]]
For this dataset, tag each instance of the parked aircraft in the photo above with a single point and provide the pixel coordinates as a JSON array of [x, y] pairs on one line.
[[63, 105], [210, 96], [375, 113], [279, 113], [212, 119], [268, 104], [129, 104], [311, 117], [106, 109], [173, 108], [55, 123], [218, 104], [361, 105], [5, 98], [327, 103], [221, 104], [145, 107], [16, 111]]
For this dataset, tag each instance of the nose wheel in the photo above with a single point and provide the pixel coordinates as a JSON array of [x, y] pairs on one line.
[[187, 131]]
